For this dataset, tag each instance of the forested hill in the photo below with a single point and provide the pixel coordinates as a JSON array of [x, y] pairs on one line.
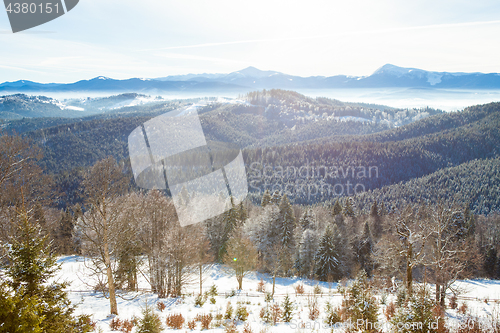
[[286, 129], [476, 183]]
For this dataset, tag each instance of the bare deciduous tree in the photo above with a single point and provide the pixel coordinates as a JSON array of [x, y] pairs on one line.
[[100, 226]]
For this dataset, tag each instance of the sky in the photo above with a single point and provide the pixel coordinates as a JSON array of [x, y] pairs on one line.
[[156, 38]]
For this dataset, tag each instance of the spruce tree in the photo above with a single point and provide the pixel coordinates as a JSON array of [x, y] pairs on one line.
[[307, 221], [337, 208], [374, 210], [287, 309], [266, 199], [328, 257], [28, 301], [348, 209], [276, 198], [286, 222]]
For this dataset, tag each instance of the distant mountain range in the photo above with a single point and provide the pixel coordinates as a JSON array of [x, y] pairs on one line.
[[252, 78]]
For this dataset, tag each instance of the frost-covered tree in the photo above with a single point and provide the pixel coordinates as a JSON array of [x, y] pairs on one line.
[[328, 258], [307, 253], [240, 257], [266, 199], [308, 220]]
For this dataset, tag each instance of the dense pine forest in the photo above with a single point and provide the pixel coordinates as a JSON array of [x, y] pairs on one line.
[[337, 191]]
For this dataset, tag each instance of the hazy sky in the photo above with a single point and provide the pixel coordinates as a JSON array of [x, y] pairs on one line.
[[154, 38]]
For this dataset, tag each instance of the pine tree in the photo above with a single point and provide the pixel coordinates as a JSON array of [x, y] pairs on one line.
[[329, 266], [266, 199], [287, 309], [337, 208], [28, 301]]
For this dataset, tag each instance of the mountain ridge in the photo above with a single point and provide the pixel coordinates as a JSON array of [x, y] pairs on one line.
[[386, 76]]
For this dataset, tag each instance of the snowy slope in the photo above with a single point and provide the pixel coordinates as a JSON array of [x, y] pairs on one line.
[[475, 292]]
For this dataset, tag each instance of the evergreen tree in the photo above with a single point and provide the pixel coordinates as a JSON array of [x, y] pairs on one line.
[[337, 208], [266, 199], [150, 321], [286, 220], [374, 209], [307, 253], [348, 208], [308, 220], [287, 309], [490, 262], [329, 266], [28, 301], [363, 249], [64, 234], [276, 198], [361, 304]]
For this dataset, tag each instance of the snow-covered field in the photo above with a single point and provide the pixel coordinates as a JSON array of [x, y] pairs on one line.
[[482, 298]]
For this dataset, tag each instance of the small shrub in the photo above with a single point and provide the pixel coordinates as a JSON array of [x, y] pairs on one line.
[[127, 326], [453, 302], [230, 327], [241, 313], [191, 324], [299, 289], [231, 294], [205, 321], [229, 311], [463, 308], [265, 315], [199, 301], [261, 286], [161, 306], [150, 322], [332, 315], [115, 324], [212, 300], [390, 311], [275, 313], [85, 323], [313, 309], [213, 291], [317, 290], [268, 298], [247, 329], [287, 309], [175, 321]]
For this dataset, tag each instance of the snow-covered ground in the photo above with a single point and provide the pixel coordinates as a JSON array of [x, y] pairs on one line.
[[482, 298]]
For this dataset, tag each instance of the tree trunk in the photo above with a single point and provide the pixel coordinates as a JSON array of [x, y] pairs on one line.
[[443, 296], [201, 281], [111, 281], [409, 270], [274, 282], [438, 293], [240, 282]]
